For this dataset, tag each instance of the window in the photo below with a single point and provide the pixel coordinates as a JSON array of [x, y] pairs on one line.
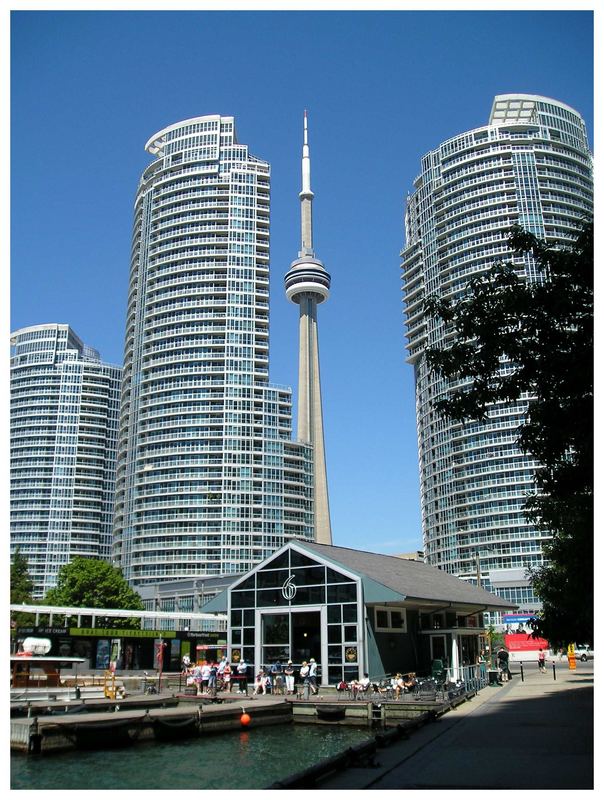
[[391, 620]]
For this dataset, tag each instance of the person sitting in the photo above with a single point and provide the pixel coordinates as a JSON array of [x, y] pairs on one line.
[[277, 677], [398, 684], [364, 684], [410, 682], [259, 683]]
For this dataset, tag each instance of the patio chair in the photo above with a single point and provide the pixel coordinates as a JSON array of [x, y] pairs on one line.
[[427, 689]]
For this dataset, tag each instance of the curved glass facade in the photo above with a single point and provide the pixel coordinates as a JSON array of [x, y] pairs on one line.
[[64, 419], [209, 480], [530, 165]]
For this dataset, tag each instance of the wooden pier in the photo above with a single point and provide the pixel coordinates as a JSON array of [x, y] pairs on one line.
[[56, 726], [125, 726]]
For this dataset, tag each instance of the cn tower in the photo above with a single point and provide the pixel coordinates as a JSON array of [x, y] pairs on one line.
[[307, 284]]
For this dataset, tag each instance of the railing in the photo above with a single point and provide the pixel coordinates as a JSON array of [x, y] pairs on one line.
[[473, 676]]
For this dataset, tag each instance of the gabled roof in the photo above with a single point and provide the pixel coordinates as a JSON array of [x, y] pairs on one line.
[[388, 579], [413, 580]]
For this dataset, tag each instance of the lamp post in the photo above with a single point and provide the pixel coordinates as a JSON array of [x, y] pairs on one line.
[[477, 555]]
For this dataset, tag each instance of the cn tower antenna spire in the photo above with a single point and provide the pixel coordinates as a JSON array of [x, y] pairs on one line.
[[306, 196], [307, 284]]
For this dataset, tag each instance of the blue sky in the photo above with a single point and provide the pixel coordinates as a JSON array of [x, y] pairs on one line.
[[381, 88]]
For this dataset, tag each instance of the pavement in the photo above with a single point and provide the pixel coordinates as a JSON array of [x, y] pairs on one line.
[[535, 733]]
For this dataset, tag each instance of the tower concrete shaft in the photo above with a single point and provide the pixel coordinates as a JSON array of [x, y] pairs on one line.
[[307, 283]]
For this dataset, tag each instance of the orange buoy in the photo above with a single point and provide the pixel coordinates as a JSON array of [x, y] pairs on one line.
[[245, 720]]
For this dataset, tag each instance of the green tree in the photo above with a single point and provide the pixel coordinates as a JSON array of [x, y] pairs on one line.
[[91, 583], [21, 587], [542, 332]]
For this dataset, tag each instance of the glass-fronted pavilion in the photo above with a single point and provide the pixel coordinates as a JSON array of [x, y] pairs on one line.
[[354, 612]]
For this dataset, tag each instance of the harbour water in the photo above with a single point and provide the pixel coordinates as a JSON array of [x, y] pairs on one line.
[[251, 759]]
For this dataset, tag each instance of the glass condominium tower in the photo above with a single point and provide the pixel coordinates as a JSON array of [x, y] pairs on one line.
[[209, 480], [530, 165], [63, 446]]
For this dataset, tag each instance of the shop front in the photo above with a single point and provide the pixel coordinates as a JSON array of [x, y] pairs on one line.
[[127, 649]]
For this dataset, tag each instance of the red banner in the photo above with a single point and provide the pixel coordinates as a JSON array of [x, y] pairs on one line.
[[515, 642]]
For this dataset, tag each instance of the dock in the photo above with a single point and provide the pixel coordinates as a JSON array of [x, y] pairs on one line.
[[124, 726], [58, 725]]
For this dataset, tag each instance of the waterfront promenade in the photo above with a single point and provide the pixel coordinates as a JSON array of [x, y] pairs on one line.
[[536, 734]]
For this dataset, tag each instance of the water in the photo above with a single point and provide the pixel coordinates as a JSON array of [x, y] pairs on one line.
[[251, 759]]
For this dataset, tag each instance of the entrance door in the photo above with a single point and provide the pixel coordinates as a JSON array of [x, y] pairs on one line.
[[290, 634], [306, 636]]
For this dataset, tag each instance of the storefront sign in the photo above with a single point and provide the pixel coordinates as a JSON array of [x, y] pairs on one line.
[[513, 618], [126, 633], [38, 629], [524, 642]]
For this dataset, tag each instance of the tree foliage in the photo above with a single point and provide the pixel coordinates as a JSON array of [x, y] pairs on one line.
[[21, 587], [91, 583], [510, 340]]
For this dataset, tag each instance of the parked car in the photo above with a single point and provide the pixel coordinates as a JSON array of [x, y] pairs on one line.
[[583, 652]]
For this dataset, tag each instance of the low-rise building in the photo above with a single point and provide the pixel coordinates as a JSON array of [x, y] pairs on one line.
[[354, 612]]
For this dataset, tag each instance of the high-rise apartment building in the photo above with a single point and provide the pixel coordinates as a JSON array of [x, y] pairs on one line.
[[209, 480], [530, 165], [64, 419]]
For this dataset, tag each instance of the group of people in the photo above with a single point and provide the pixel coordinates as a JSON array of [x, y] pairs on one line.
[[399, 684], [503, 663], [279, 679], [209, 677]]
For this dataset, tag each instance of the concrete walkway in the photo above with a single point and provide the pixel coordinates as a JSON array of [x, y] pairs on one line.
[[536, 734]]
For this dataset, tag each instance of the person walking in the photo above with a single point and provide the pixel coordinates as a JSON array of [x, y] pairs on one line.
[[503, 658], [541, 661]]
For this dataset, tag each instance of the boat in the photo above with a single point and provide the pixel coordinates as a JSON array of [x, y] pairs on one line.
[[35, 675]]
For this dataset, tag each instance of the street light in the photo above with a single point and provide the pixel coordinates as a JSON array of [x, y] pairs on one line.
[[477, 555]]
